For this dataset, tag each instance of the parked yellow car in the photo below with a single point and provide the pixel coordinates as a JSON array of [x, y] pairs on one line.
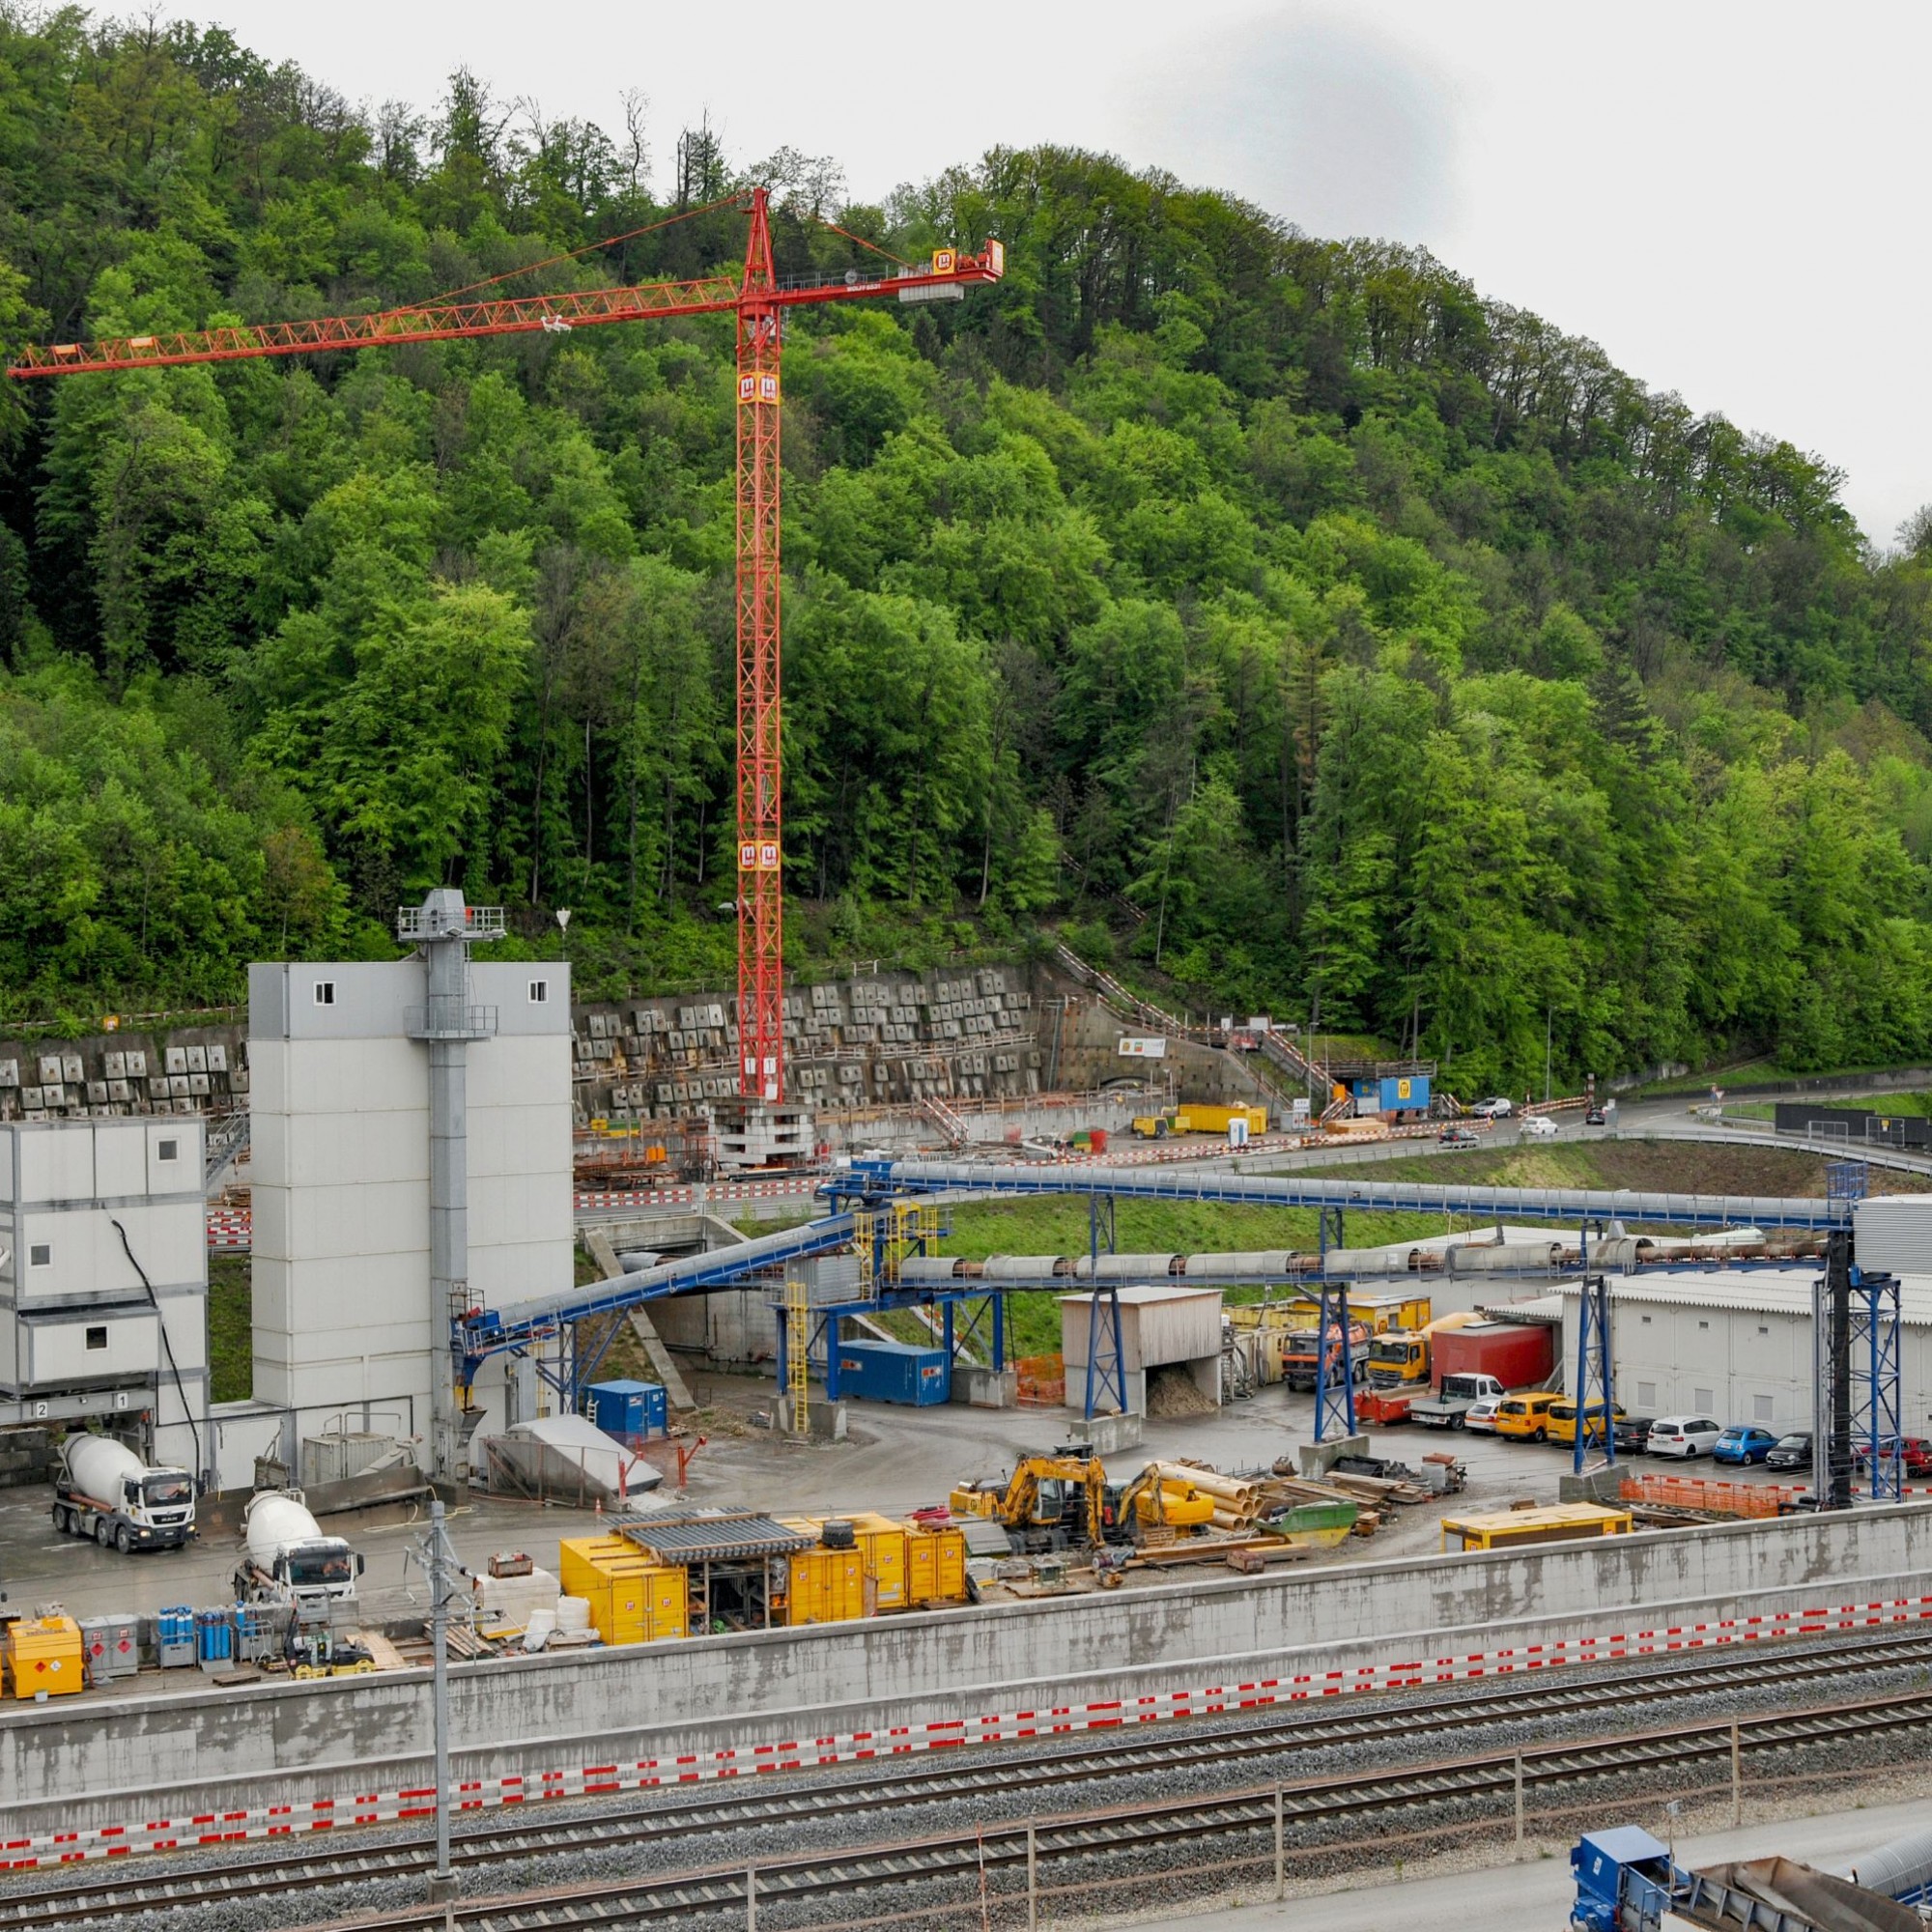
[[1526, 1416], [1561, 1420]]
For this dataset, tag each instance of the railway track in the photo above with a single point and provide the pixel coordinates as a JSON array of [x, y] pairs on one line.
[[1018, 1786], [1229, 1826]]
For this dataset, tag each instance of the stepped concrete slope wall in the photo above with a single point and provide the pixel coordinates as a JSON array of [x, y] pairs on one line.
[[62, 1769]]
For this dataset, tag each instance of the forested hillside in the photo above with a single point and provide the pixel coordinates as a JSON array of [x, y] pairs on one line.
[[1285, 614]]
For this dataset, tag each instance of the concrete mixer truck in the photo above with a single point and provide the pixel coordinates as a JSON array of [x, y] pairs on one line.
[[305, 1579], [105, 1490], [288, 1559]]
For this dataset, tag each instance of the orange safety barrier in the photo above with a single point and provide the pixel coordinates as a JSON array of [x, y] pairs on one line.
[[1041, 1380], [1692, 1493]]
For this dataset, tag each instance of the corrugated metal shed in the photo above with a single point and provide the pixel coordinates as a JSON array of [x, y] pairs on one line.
[[712, 1539], [1547, 1309], [1894, 1233], [1159, 1323]]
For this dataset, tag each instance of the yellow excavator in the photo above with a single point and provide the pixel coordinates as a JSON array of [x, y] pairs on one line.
[[1062, 1502], [1049, 1502]]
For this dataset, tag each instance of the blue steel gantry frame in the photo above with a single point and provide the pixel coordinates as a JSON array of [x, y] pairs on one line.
[[1334, 1388], [518, 1329], [1106, 1358], [1595, 1371], [1876, 1381], [1334, 1392]]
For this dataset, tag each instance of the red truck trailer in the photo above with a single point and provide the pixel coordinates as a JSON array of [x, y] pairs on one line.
[[1519, 1354]]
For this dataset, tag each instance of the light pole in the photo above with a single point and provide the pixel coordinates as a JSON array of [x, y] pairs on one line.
[[440, 1560], [563, 926], [1546, 1012]]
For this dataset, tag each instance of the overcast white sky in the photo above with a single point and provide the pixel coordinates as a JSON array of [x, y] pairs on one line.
[[1729, 197]]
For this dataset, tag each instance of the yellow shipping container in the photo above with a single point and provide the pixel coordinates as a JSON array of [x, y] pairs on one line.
[[882, 1543], [935, 1565], [43, 1654], [633, 1598], [824, 1586]]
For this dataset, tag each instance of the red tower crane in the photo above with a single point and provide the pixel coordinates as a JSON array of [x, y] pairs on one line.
[[758, 299]]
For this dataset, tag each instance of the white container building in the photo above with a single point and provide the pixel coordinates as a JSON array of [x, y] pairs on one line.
[[87, 1207]]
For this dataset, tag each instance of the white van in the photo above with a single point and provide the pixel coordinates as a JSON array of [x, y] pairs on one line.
[[1683, 1436]]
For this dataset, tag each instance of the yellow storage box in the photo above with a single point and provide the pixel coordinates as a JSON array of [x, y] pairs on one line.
[[936, 1563], [882, 1543], [43, 1654], [633, 1598], [824, 1586]]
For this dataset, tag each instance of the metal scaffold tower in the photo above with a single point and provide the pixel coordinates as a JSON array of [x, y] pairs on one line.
[[1106, 1358], [1334, 1385], [1334, 1392], [1872, 1337], [1595, 1371]]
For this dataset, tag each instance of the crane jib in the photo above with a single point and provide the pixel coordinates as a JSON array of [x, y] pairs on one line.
[[555, 314]]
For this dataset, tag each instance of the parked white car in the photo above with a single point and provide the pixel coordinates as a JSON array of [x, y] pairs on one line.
[[1683, 1436], [1540, 1127], [1499, 1109], [1481, 1416]]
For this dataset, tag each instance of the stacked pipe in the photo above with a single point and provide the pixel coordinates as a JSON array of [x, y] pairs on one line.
[[1237, 1504]]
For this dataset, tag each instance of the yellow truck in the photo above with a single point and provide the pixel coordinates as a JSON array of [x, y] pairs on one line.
[[1401, 1354], [1195, 1119]]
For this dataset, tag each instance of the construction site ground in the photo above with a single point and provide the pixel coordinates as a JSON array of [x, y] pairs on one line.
[[898, 1458], [894, 1459]]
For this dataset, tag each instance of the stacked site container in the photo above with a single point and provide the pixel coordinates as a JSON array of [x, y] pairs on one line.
[[935, 1563], [823, 1586], [633, 1598], [895, 1372]]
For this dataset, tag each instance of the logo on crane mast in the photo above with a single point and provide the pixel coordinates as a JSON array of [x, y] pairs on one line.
[[759, 388], [759, 855]]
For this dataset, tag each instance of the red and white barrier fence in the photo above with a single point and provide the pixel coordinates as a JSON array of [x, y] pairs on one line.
[[322, 1815], [230, 1231]]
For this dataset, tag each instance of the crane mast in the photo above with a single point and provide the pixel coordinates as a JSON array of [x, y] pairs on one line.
[[758, 299], [760, 717]]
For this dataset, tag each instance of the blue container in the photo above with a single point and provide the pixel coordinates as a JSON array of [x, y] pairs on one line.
[[628, 1409], [895, 1372], [1402, 1093]]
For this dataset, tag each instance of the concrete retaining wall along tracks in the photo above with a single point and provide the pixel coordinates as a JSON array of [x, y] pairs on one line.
[[62, 1769]]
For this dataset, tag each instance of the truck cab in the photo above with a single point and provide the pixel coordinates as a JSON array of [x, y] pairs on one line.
[[161, 1499], [1300, 1354], [1398, 1359], [326, 1568], [1624, 1881]]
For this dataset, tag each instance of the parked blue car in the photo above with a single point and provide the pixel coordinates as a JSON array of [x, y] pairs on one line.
[[1744, 1445]]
